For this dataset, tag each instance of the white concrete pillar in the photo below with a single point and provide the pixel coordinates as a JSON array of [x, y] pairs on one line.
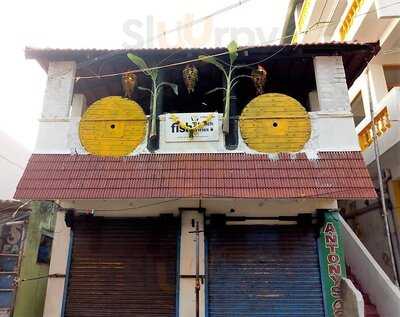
[[334, 130], [58, 265], [78, 105], [54, 123], [77, 109], [313, 99], [331, 84], [59, 90], [187, 296]]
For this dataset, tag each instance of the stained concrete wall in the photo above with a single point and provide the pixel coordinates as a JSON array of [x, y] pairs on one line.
[[353, 302], [331, 84], [31, 293], [58, 265], [187, 297], [54, 122]]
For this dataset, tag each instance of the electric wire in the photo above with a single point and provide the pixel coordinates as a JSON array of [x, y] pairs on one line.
[[11, 219], [163, 34], [124, 209], [193, 60], [217, 55], [307, 196], [10, 207], [11, 162], [320, 195], [18, 209], [322, 12]]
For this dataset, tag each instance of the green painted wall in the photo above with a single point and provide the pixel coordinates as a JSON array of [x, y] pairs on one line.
[[332, 263], [31, 294]]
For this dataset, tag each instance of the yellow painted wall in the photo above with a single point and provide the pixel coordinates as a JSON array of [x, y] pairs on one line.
[[273, 123], [112, 126]]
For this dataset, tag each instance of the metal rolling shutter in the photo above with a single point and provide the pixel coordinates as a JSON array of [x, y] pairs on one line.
[[123, 268], [263, 271]]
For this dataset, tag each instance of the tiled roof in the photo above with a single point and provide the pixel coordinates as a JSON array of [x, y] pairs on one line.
[[338, 175]]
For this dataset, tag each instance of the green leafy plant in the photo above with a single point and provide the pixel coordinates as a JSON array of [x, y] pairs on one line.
[[230, 79], [155, 88]]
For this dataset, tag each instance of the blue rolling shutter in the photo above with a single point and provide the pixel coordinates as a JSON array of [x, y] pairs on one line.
[[266, 271]]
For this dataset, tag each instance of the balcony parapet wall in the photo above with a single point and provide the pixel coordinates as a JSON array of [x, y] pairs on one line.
[[332, 127]]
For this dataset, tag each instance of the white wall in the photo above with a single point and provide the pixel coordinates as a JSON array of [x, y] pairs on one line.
[[382, 292], [242, 207], [59, 262], [387, 8], [187, 296], [353, 302], [392, 136], [13, 159], [54, 123]]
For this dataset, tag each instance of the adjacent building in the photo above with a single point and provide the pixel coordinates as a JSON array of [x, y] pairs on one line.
[[186, 190], [375, 93], [26, 234]]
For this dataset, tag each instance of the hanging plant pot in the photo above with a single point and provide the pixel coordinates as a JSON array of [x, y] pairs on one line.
[[190, 77], [259, 77], [128, 83]]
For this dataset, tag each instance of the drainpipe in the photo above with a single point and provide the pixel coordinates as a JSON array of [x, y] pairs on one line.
[[382, 193]]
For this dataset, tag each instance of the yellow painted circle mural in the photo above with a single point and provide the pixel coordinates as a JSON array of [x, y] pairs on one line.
[[112, 126], [272, 123]]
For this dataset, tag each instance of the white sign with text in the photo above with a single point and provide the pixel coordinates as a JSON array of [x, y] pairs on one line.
[[176, 133]]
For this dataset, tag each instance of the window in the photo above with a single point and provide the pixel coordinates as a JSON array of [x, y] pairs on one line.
[[44, 251], [392, 75], [357, 107]]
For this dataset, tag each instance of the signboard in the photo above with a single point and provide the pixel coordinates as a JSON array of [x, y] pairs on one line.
[[207, 122], [332, 264]]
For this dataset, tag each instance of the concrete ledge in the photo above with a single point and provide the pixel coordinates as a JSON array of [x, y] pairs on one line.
[[353, 302]]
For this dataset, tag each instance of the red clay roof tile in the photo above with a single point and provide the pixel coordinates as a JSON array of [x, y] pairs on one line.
[[338, 175]]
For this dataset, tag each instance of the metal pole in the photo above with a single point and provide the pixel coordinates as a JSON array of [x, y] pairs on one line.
[[197, 286], [382, 193]]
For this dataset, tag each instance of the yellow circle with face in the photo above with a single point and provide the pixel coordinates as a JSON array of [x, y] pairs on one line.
[[272, 123], [112, 126]]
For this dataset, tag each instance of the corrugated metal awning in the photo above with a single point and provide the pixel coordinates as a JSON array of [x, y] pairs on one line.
[[355, 55]]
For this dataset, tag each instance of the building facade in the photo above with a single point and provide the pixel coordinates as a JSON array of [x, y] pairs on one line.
[[197, 188], [376, 93], [31, 284], [26, 237], [12, 233]]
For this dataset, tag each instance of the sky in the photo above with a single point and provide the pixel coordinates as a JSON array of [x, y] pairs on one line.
[[111, 24]]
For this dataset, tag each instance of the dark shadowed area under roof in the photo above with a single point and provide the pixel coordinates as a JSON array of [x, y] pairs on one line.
[[290, 71], [355, 55]]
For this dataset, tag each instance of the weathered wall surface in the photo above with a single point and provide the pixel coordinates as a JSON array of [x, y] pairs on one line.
[[59, 263], [31, 293]]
